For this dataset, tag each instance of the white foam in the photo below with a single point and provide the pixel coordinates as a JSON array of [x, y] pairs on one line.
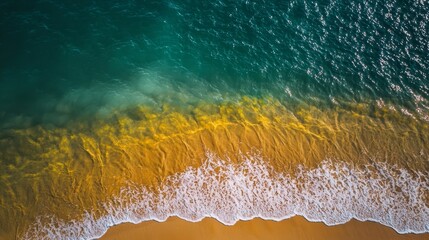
[[333, 193]]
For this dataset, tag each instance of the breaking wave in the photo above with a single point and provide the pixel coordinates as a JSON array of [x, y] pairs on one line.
[[333, 193]]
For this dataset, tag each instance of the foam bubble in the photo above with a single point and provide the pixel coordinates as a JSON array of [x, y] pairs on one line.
[[333, 193]]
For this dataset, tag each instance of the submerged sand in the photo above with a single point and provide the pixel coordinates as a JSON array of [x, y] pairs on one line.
[[296, 228], [63, 173]]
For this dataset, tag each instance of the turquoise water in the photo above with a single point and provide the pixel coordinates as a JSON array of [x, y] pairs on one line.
[[52, 52], [123, 111]]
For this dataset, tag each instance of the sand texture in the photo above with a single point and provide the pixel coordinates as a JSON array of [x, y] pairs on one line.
[[297, 228]]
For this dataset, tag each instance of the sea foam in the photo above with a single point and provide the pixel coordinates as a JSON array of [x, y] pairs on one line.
[[333, 193]]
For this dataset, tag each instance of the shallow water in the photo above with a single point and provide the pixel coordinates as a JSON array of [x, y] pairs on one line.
[[97, 99]]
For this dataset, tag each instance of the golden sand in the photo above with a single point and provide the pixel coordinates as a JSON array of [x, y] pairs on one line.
[[296, 228], [65, 171]]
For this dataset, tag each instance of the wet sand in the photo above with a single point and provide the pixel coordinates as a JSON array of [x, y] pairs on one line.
[[72, 170], [297, 228]]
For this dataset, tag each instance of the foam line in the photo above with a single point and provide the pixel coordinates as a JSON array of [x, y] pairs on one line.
[[333, 193]]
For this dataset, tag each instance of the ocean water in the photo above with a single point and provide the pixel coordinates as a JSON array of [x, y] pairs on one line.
[[125, 112]]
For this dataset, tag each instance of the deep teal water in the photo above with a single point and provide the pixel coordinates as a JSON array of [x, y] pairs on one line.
[[72, 60], [64, 59]]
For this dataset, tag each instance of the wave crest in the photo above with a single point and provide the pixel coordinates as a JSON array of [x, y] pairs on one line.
[[333, 193]]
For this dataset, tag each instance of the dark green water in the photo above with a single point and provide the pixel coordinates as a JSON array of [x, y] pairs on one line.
[[64, 59], [342, 83]]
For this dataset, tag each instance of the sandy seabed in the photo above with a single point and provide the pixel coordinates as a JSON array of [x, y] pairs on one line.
[[86, 167], [296, 228]]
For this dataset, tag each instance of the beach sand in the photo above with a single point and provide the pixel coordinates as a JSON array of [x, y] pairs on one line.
[[297, 228], [83, 168]]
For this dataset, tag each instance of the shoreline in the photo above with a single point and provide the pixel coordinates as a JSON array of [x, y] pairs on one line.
[[222, 157], [296, 227]]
